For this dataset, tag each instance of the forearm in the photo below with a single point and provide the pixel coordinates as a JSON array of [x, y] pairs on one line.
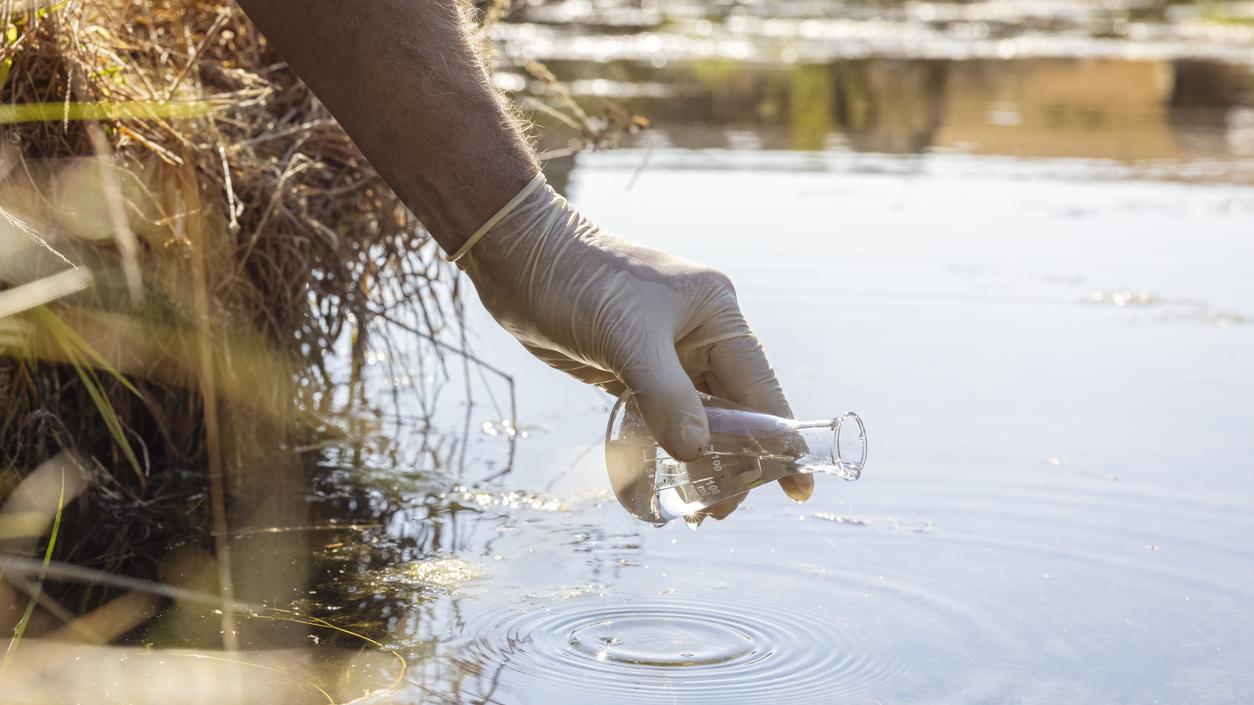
[[403, 79]]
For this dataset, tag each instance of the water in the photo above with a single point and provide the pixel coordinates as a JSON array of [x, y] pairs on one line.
[[1032, 278], [1060, 500]]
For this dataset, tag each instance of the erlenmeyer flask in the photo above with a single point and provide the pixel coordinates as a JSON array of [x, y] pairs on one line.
[[747, 449]]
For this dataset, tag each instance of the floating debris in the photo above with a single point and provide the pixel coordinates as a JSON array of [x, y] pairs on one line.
[[884, 522], [1224, 319], [1171, 309], [445, 573], [488, 498], [557, 593], [1123, 298], [839, 519], [503, 429]]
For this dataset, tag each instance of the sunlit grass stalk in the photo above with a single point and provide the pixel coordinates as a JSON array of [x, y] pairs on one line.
[[288, 616], [209, 397], [41, 291], [20, 629], [104, 110], [128, 246]]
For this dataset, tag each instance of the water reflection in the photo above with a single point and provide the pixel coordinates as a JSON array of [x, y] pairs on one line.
[[1054, 107]]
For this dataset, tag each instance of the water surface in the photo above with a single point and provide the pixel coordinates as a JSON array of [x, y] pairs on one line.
[[1030, 274]]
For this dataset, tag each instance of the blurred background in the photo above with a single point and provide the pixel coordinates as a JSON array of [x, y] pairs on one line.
[[256, 421], [1137, 84]]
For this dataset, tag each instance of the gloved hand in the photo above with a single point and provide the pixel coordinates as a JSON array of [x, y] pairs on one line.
[[618, 315]]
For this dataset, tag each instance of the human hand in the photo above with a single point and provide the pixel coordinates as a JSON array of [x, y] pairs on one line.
[[621, 316]]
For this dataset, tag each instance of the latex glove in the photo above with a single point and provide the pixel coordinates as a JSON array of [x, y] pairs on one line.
[[618, 315]]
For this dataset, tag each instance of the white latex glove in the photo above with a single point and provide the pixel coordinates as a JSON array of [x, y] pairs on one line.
[[622, 316]]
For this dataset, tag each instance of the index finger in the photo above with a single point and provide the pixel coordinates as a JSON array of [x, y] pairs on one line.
[[742, 370]]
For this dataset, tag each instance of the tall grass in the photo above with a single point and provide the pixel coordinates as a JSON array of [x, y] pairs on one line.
[[189, 248], [186, 238]]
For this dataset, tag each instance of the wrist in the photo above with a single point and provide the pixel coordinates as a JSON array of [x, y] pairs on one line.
[[498, 220], [536, 229]]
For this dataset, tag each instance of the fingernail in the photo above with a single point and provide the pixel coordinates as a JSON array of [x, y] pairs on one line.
[[797, 489]]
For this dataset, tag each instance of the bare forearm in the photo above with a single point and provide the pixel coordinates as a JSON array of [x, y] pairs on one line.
[[403, 79]]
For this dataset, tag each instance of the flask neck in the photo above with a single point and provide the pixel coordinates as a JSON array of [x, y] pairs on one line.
[[834, 446]]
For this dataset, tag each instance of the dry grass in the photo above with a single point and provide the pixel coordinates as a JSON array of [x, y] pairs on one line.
[[189, 245], [194, 261], [263, 198]]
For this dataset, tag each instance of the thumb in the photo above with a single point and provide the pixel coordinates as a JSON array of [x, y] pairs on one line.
[[667, 400]]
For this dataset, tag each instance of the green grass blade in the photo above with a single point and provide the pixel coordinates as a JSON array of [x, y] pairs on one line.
[[10, 39], [76, 350], [69, 338], [20, 629]]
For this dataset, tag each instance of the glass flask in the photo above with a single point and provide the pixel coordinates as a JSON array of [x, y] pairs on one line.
[[747, 449]]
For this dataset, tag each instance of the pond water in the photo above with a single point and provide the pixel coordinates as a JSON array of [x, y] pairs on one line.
[[1031, 276]]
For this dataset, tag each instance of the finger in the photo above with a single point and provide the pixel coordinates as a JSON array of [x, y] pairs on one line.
[[702, 383], [578, 370], [667, 399], [742, 370], [722, 510], [743, 374], [709, 384], [798, 487], [714, 387], [614, 387]]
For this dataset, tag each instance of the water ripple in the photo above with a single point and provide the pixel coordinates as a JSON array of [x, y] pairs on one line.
[[680, 647]]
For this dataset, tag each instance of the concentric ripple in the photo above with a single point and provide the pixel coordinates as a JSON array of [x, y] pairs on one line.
[[694, 650], [664, 638], [1018, 583]]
